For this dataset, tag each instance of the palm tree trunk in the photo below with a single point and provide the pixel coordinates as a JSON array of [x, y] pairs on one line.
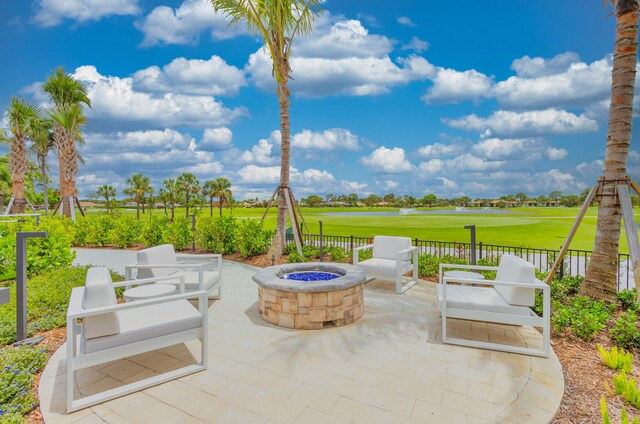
[[137, 209], [601, 276], [220, 205], [18, 166], [45, 188], [187, 204]]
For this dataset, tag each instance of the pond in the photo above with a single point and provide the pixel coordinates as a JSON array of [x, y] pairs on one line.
[[457, 211]]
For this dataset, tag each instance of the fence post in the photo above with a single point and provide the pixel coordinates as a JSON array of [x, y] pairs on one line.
[[21, 281], [351, 242], [472, 250], [561, 270], [480, 246], [321, 241]]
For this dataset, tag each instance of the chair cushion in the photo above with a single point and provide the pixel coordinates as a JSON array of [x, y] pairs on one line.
[[99, 292], [479, 299], [191, 279], [164, 254], [146, 323], [386, 247], [515, 269], [384, 266]]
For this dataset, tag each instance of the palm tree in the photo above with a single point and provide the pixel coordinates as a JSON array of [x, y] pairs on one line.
[[220, 188], [163, 196], [108, 192], [68, 96], [278, 23], [41, 134], [601, 277], [208, 190], [5, 173], [189, 186], [138, 187], [19, 115], [172, 189]]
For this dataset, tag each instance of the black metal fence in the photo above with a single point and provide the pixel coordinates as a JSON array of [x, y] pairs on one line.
[[574, 263]]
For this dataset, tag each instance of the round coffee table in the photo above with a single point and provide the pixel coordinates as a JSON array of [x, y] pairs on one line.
[[464, 274], [148, 291]]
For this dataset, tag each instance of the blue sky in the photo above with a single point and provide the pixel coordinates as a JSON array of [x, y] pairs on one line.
[[477, 98]]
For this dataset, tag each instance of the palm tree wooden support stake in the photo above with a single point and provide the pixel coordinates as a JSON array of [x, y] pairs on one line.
[[623, 195], [284, 193], [7, 210], [72, 201]]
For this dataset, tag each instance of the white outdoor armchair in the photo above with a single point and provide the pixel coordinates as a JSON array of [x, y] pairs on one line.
[[506, 301], [162, 261], [391, 259], [99, 330]]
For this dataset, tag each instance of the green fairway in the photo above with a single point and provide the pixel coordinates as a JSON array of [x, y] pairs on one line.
[[530, 227]]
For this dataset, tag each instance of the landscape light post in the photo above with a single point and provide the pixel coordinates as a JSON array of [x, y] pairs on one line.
[[320, 224], [21, 282], [472, 229]]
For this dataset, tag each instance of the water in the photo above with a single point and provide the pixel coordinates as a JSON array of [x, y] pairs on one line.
[[310, 276], [458, 211]]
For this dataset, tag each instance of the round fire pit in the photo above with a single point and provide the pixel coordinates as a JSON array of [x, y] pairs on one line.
[[310, 295]]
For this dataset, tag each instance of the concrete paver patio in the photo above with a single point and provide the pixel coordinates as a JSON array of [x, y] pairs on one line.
[[390, 366]]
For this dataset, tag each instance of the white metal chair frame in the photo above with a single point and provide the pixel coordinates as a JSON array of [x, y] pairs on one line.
[[497, 317], [77, 360], [400, 255], [200, 267]]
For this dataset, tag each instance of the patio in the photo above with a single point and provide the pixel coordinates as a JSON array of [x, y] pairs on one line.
[[390, 366]]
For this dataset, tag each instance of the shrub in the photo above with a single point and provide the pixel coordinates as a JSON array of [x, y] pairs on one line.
[[152, 233], [337, 253], [625, 332], [100, 230], [125, 232], [178, 233], [628, 299], [47, 300], [295, 257], [252, 239], [561, 288], [82, 227], [365, 254], [581, 315], [617, 359], [42, 253], [18, 366], [624, 417], [626, 387], [217, 234], [429, 265]]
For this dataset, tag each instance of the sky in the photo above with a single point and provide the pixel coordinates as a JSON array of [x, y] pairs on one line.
[[481, 98]]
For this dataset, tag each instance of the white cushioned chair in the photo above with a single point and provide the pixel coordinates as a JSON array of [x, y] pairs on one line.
[[100, 330], [506, 301], [162, 261], [391, 259]]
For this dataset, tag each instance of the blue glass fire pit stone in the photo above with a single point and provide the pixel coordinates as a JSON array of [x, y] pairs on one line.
[[311, 276]]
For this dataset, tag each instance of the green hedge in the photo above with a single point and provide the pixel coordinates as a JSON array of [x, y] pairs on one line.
[[18, 368]]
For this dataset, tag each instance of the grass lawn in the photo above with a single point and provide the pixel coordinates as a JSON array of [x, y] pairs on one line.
[[531, 227]]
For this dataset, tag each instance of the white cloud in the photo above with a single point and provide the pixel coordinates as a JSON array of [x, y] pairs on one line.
[[416, 45], [437, 150], [183, 25], [151, 140], [533, 67], [388, 184], [556, 154], [530, 123], [212, 77], [451, 86], [431, 166], [332, 139], [352, 187], [116, 103], [253, 174], [204, 170], [53, 12], [391, 161], [309, 179], [217, 138], [406, 21], [448, 184], [513, 148], [579, 85], [259, 153], [471, 163]]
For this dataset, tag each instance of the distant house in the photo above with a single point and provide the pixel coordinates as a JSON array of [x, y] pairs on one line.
[[130, 204], [496, 203], [478, 203], [85, 205], [530, 203], [383, 204], [336, 204]]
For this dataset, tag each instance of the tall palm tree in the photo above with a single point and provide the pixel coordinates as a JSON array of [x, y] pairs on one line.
[[41, 134], [138, 187], [189, 186], [208, 190], [163, 196], [108, 192], [5, 173], [20, 114], [69, 97], [222, 190], [172, 189], [278, 22], [601, 277]]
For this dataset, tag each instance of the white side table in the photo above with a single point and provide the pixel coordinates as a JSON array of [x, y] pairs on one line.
[[148, 291], [464, 274]]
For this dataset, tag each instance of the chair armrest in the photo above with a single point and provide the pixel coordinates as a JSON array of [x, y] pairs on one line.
[[75, 301], [401, 253], [131, 305], [206, 255], [144, 281], [366, 246], [464, 266], [184, 265], [537, 285]]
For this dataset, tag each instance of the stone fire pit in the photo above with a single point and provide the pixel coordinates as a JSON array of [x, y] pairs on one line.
[[310, 305]]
